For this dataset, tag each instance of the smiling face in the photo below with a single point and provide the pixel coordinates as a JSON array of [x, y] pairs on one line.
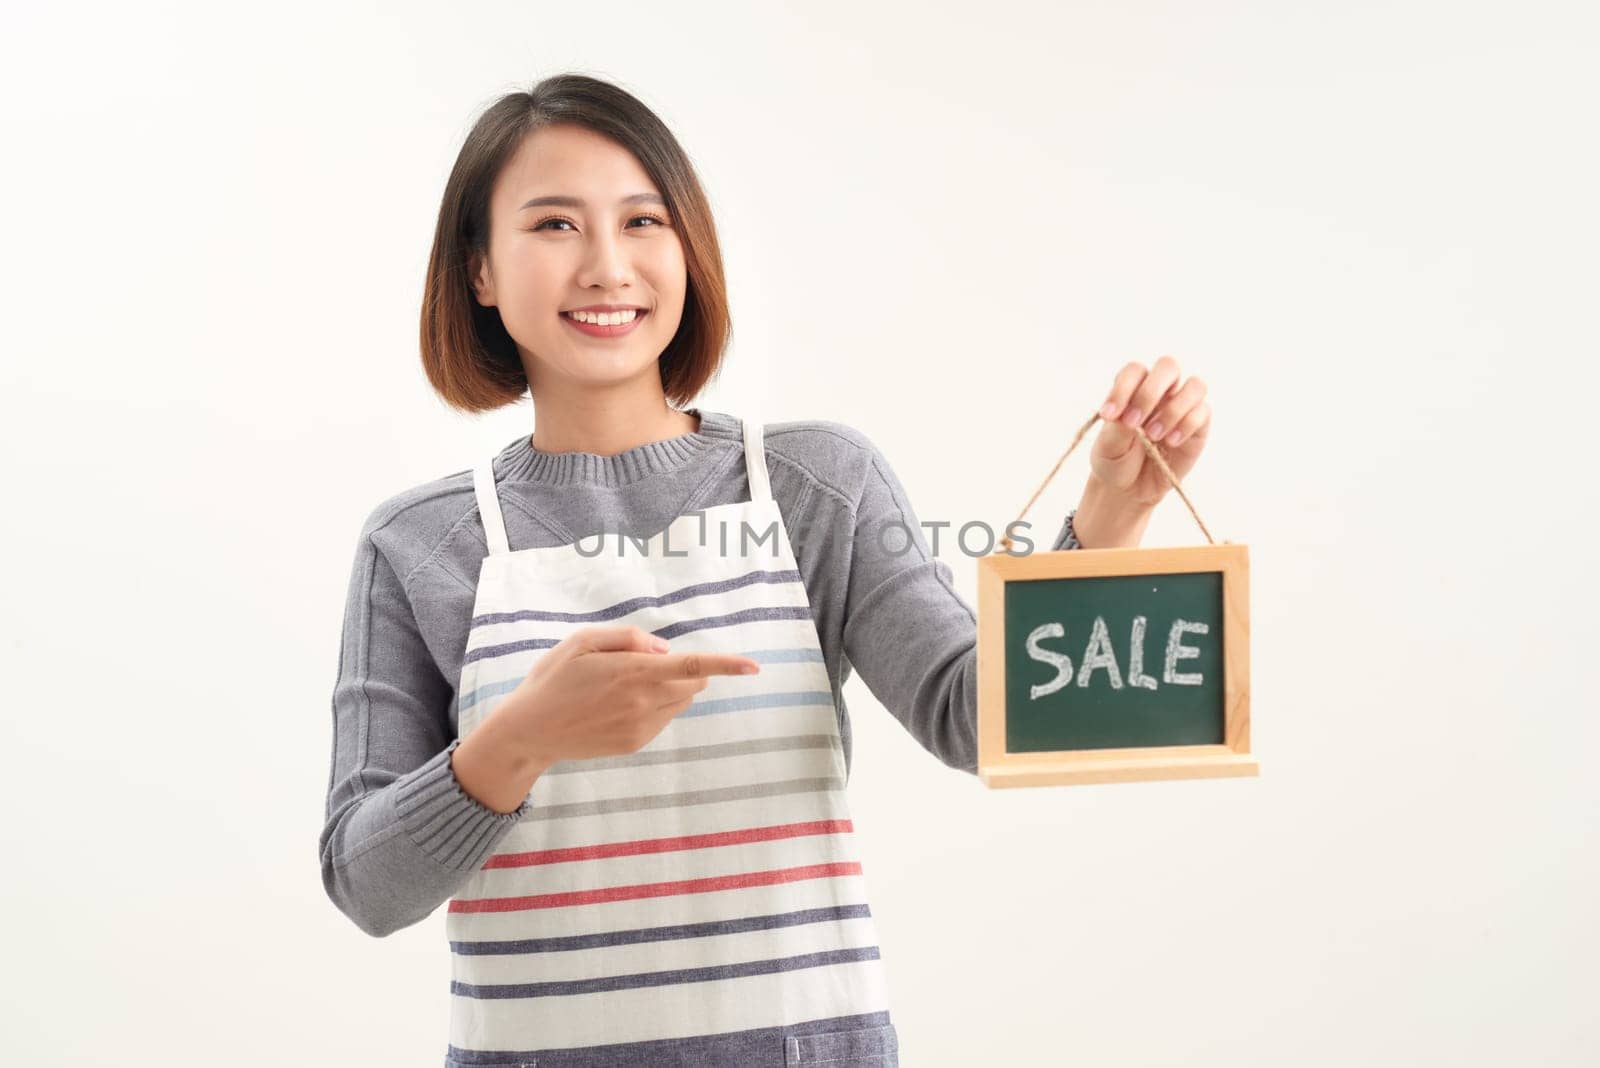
[[576, 223]]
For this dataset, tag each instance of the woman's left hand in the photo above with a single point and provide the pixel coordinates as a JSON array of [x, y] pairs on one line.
[[1176, 417]]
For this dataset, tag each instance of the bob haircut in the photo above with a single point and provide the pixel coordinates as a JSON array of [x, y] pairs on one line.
[[470, 359]]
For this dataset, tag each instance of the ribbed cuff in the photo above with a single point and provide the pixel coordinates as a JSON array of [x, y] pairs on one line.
[[446, 822], [1068, 538]]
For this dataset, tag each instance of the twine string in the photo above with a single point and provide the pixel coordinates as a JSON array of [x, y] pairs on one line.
[[1149, 447]]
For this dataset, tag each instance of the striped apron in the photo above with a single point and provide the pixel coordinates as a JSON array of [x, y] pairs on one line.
[[699, 902]]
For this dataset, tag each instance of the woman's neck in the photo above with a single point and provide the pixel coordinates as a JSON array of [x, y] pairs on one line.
[[607, 426]]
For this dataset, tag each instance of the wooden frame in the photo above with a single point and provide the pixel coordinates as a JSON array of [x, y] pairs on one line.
[[998, 768]]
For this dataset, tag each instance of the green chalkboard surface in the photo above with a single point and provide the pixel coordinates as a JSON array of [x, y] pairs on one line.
[[1114, 661]]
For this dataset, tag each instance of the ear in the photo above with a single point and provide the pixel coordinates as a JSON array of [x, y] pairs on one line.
[[482, 281]]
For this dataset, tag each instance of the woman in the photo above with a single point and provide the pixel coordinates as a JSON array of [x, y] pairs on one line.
[[589, 691]]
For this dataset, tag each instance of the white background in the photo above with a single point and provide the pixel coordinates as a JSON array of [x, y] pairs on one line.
[[1371, 228]]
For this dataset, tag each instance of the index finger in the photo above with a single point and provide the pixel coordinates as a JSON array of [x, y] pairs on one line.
[[697, 665], [1127, 380]]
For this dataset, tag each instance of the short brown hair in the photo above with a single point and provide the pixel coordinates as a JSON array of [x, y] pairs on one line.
[[469, 358]]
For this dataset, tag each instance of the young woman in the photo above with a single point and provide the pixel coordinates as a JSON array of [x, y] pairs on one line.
[[589, 690]]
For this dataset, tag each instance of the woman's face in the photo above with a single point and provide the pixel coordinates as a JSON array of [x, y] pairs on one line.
[[575, 222]]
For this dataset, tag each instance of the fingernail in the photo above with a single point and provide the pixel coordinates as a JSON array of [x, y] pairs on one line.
[[1108, 410], [1134, 417], [750, 669], [1155, 431], [1176, 437], [657, 643]]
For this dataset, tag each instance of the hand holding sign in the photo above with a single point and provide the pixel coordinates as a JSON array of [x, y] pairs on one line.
[[1129, 471], [1176, 417], [1061, 698]]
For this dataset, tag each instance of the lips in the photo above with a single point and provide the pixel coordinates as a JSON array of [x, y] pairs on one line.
[[596, 330]]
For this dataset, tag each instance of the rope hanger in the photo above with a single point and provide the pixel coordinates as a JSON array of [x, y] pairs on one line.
[[1149, 447]]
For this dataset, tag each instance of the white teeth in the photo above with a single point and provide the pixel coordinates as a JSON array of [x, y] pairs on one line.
[[604, 318]]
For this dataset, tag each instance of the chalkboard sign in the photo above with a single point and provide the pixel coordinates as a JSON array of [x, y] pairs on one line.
[[1114, 665]]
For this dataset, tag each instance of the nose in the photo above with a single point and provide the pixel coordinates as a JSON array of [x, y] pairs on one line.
[[605, 263]]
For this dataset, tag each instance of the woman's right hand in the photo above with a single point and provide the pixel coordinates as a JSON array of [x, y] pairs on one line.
[[603, 691]]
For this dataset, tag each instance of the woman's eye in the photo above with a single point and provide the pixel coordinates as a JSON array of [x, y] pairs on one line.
[[545, 223]]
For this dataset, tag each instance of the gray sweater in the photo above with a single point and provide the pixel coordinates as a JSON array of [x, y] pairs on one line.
[[401, 836]]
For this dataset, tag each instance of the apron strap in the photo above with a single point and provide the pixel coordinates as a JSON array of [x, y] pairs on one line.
[[494, 524], [755, 462]]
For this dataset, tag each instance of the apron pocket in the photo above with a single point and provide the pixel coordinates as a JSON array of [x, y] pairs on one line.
[[865, 1047]]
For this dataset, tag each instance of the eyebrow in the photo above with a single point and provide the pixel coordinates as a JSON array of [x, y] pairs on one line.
[[577, 202]]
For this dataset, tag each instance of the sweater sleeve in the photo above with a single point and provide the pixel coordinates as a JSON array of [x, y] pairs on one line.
[[907, 632], [400, 835]]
